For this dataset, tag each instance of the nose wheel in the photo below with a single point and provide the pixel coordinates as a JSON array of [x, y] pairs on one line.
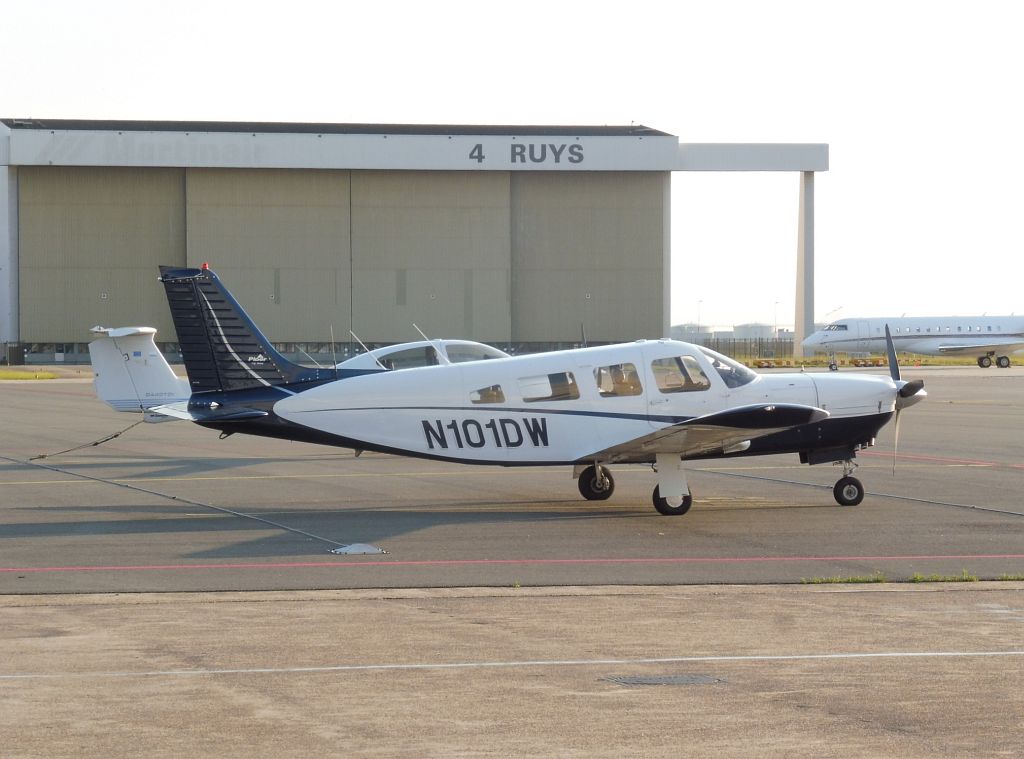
[[848, 491]]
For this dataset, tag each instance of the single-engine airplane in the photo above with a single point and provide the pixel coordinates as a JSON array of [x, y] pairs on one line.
[[657, 402]]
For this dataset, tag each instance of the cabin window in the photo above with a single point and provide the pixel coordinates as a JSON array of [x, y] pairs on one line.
[[679, 374], [990, 328], [560, 386], [490, 394], [617, 379], [458, 354]]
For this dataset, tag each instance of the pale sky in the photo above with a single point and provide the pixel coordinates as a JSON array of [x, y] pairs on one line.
[[920, 212]]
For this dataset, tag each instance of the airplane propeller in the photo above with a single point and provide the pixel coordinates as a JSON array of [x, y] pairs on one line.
[[907, 392]]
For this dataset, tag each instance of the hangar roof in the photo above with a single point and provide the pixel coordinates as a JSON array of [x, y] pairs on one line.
[[402, 147], [284, 127]]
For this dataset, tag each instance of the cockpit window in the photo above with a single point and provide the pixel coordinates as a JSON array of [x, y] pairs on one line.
[[733, 373], [679, 374], [617, 379], [837, 328]]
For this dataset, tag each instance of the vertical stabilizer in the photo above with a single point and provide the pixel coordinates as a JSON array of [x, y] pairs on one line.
[[220, 345], [129, 373]]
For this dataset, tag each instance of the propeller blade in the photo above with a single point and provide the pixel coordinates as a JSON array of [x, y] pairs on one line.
[[890, 349], [896, 441]]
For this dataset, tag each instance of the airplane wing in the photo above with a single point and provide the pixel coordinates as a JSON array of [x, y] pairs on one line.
[[1005, 344], [721, 431]]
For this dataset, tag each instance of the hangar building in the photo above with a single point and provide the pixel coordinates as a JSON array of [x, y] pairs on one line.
[[510, 235]]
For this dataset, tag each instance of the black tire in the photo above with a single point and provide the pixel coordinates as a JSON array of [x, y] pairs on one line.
[[589, 489], [985, 362], [848, 491], [1003, 362], [663, 506]]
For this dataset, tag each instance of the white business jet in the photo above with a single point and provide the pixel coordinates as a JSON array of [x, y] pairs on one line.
[[658, 402], [982, 337]]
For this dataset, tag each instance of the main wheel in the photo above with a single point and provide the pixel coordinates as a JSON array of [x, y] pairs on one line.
[[1003, 362], [848, 491], [985, 362], [668, 510], [591, 489]]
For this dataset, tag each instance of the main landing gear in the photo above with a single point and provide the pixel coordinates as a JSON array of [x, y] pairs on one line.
[[848, 491], [1003, 362], [596, 484]]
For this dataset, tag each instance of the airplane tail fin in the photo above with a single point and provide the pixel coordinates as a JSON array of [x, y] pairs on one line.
[[220, 345], [130, 374]]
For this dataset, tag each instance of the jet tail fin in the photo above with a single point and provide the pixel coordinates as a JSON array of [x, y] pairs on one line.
[[221, 347], [130, 373]]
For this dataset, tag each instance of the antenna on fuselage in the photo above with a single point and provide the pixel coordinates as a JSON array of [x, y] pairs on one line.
[[367, 349], [440, 354], [334, 354], [583, 334]]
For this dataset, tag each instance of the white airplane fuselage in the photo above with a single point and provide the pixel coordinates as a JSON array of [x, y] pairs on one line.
[[972, 336], [440, 411]]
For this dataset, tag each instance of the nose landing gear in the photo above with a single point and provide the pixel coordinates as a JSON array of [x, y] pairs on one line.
[[848, 491]]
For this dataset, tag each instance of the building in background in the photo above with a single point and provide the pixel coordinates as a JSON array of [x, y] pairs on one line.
[[523, 237]]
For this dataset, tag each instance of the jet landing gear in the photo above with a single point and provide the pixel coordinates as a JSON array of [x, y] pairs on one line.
[[848, 491], [1003, 362]]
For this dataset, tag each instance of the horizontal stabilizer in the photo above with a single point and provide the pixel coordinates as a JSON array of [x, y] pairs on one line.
[[193, 413]]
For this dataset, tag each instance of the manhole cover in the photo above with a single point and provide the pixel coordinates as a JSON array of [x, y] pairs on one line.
[[666, 680]]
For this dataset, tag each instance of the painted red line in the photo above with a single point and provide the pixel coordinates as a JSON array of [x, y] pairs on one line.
[[516, 562], [940, 459]]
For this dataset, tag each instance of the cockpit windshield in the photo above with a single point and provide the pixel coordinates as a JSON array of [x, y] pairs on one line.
[[732, 372], [836, 328]]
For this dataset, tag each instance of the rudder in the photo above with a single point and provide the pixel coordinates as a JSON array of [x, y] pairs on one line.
[[221, 347]]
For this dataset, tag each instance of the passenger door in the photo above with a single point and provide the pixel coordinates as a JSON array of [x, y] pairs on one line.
[[678, 387]]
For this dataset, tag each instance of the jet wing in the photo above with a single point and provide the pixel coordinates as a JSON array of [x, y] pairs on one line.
[[201, 414], [1006, 344], [721, 431]]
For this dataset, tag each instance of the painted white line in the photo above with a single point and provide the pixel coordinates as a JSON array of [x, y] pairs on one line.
[[413, 666]]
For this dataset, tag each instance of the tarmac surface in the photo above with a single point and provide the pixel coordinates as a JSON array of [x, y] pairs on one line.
[[505, 605]]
